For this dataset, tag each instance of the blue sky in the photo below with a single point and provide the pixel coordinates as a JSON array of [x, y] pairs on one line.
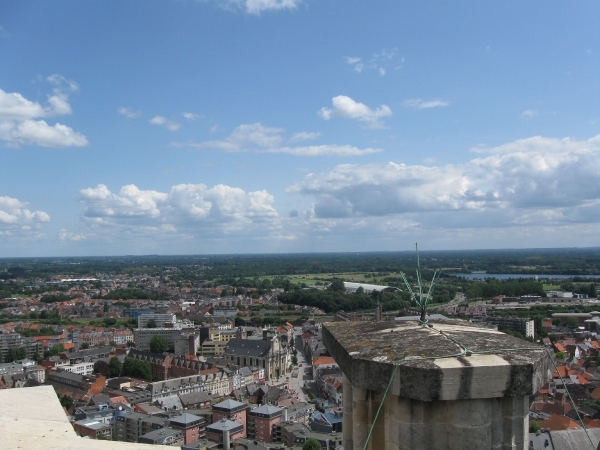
[[239, 126]]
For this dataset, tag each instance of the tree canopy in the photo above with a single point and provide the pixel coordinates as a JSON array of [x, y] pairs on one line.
[[158, 344], [137, 369], [311, 444], [115, 366]]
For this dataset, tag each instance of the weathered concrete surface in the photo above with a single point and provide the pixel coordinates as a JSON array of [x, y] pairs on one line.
[[33, 419], [453, 400], [367, 352]]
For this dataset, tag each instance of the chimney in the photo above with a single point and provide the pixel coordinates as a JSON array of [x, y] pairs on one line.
[[225, 435], [378, 312], [191, 344]]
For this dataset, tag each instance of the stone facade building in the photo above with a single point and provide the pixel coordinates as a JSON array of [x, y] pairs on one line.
[[268, 353], [212, 383], [165, 366]]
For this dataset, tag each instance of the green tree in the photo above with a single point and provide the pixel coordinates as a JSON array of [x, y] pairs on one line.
[[474, 291], [115, 366], [560, 355], [105, 307], [593, 293], [337, 285], [15, 354], [137, 369], [102, 368], [56, 349], [151, 323], [84, 346], [294, 360], [556, 321], [67, 401], [572, 322], [311, 444], [534, 426], [158, 344]]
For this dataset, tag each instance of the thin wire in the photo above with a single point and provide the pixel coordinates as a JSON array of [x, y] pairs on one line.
[[380, 406], [570, 398], [465, 351]]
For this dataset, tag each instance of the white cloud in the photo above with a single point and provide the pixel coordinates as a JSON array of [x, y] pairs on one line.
[[325, 150], [17, 114], [128, 112], [17, 220], [65, 235], [38, 132], [167, 123], [304, 136], [192, 208], [425, 104], [190, 116], [258, 138], [529, 113], [344, 106], [534, 180], [378, 61], [256, 7]]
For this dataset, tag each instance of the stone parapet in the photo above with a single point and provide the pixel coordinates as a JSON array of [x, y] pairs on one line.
[[457, 386]]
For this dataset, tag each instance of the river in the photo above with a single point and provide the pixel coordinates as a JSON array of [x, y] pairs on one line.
[[506, 276]]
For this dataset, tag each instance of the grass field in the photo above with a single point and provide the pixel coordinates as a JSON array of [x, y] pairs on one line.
[[551, 287], [313, 278]]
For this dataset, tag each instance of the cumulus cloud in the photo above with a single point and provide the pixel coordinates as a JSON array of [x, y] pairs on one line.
[[220, 209], [129, 113], [65, 235], [18, 220], [304, 136], [256, 7], [18, 124], [38, 132], [190, 116], [258, 138], [425, 104], [344, 106], [536, 179], [164, 122], [379, 62], [529, 113]]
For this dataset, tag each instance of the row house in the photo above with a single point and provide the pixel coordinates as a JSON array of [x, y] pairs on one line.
[[165, 366], [214, 383], [123, 337]]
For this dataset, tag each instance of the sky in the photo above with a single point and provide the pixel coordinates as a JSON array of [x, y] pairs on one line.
[[279, 126]]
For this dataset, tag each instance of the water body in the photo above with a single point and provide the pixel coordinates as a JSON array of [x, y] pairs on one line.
[[506, 276]]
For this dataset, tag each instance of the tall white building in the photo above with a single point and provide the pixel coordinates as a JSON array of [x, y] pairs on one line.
[[160, 319]]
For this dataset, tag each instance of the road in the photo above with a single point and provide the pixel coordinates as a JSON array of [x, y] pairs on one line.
[[296, 383]]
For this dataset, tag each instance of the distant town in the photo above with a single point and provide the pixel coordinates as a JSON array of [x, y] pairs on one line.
[[190, 355]]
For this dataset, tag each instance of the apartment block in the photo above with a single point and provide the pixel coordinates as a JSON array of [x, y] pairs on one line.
[[262, 421]]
